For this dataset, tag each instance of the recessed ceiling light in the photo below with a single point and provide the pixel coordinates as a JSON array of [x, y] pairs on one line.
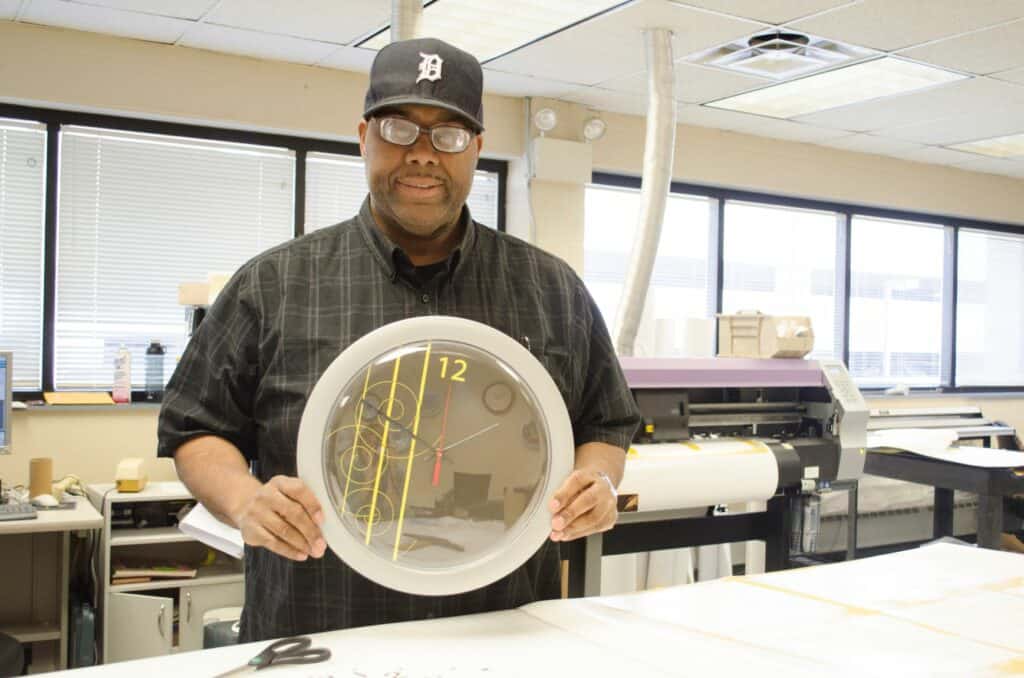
[[874, 79], [490, 28], [1009, 146], [780, 56]]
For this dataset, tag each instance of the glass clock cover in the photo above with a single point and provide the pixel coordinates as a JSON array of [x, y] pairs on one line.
[[434, 445]]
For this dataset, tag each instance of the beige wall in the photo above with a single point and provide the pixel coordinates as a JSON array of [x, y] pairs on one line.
[[68, 69], [86, 443]]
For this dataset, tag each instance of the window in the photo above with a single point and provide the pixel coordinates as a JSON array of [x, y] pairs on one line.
[[990, 309], [679, 283], [22, 190], [336, 187], [781, 261], [896, 302], [139, 214]]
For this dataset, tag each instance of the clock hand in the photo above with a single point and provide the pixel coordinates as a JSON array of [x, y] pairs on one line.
[[470, 437], [374, 410], [440, 445]]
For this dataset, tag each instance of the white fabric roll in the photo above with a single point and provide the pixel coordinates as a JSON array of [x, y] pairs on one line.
[[689, 475]]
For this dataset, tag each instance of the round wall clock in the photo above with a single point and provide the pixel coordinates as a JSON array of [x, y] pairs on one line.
[[434, 445]]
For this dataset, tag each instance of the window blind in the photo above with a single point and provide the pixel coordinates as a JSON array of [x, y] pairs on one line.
[[336, 187], [781, 261], [679, 281], [138, 215], [896, 301], [990, 309], [22, 192]]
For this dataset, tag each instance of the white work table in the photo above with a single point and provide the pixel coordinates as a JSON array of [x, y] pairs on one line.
[[82, 517], [34, 572], [940, 610]]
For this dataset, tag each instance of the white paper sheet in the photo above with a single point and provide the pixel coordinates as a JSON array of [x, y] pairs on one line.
[[677, 476], [937, 444], [200, 524]]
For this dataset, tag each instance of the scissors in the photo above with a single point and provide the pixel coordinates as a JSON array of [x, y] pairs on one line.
[[285, 651]]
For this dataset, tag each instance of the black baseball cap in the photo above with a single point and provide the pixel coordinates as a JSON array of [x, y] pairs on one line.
[[428, 72]]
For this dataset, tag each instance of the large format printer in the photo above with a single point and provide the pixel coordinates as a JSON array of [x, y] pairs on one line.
[[733, 430]]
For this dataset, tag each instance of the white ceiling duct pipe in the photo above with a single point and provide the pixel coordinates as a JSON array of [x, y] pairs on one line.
[[659, 148], [405, 19]]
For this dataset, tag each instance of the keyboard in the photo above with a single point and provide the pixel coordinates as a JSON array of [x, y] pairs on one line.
[[17, 511]]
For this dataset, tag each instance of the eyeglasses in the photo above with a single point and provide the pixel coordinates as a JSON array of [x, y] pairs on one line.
[[445, 138]]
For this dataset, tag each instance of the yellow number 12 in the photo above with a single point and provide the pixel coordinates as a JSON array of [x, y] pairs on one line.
[[460, 365]]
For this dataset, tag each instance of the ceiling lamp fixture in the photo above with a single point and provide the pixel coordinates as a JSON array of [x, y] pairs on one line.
[[594, 128], [779, 55], [545, 119]]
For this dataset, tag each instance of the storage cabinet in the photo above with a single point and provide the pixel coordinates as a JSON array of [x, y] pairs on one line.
[[160, 616]]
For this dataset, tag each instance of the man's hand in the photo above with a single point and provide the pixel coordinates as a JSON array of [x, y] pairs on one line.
[[585, 504], [283, 516]]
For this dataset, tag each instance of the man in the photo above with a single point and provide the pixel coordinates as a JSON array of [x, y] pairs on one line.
[[239, 391]]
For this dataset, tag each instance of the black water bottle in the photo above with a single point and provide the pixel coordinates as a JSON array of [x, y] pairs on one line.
[[154, 372]]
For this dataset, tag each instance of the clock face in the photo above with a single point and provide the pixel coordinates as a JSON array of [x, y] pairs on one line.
[[434, 450]]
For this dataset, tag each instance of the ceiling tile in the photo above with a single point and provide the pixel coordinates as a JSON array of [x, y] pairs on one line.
[[1004, 166], [704, 116], [988, 51], [515, 85], [181, 9], [935, 155], [357, 59], [253, 44], [869, 143], [891, 25], [1016, 75], [607, 100], [1007, 119], [105, 20], [612, 45], [9, 8], [694, 84], [955, 98], [768, 11], [338, 21]]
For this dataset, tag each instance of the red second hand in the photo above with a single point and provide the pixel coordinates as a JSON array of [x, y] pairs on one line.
[[440, 442]]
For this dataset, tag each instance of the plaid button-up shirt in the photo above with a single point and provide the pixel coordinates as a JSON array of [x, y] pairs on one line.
[[287, 314]]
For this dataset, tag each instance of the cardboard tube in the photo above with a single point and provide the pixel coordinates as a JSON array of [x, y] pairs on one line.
[[40, 476]]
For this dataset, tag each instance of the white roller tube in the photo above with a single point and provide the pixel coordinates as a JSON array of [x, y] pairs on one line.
[[405, 19], [659, 149], [691, 475]]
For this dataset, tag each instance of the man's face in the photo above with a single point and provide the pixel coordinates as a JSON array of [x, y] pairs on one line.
[[418, 190]]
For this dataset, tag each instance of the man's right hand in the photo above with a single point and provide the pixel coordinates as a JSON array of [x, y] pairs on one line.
[[283, 516]]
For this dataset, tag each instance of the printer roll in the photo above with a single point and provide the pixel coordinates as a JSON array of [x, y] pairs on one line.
[[694, 474]]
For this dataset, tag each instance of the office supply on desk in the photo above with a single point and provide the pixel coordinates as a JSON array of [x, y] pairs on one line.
[[6, 371], [40, 476], [129, 476], [77, 398], [295, 650], [17, 511]]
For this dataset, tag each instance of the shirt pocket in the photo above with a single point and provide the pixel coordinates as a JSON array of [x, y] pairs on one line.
[[557, 361]]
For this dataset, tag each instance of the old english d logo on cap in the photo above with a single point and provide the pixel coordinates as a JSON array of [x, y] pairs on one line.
[[430, 67]]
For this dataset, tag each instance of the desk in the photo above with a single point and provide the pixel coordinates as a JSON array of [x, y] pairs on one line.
[[939, 610], [34, 563], [990, 484]]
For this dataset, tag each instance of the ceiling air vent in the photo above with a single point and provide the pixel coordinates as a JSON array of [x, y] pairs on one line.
[[781, 56]]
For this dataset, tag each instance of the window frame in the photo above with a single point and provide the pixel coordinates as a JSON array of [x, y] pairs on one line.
[[55, 118], [845, 212]]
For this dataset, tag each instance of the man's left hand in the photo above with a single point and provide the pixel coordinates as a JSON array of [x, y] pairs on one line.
[[585, 504]]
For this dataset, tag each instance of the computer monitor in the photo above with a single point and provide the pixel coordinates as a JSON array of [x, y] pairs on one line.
[[5, 402]]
